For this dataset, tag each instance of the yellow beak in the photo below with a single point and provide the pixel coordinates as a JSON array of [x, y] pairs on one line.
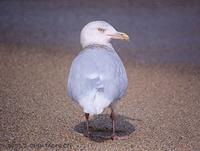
[[119, 35]]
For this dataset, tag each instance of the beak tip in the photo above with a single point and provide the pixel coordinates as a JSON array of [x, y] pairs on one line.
[[120, 35], [126, 37]]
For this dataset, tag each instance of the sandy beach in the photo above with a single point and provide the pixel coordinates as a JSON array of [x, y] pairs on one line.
[[160, 111]]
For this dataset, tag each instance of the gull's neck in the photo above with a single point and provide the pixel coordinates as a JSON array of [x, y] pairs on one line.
[[109, 45], [106, 47]]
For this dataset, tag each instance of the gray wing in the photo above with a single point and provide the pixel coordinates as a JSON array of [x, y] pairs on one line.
[[97, 69]]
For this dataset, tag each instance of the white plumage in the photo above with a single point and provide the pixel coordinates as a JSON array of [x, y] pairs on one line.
[[97, 77]]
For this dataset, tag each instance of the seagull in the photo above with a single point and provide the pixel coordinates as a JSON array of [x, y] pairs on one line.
[[97, 77]]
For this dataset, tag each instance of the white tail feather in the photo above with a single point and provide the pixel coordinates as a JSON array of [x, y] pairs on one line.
[[94, 103]]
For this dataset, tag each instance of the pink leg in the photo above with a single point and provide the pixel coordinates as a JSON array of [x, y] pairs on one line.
[[87, 125], [114, 136]]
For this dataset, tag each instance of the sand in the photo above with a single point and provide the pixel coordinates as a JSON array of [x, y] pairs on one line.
[[160, 110]]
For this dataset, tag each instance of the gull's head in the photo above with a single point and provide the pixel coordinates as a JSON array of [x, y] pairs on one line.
[[101, 33]]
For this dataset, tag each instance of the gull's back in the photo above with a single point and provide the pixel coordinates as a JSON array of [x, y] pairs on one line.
[[97, 78]]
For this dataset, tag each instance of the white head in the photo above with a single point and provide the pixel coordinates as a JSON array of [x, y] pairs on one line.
[[100, 32]]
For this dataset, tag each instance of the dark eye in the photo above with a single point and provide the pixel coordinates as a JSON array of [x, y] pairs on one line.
[[101, 30]]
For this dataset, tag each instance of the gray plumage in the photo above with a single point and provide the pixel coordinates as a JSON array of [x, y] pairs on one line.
[[97, 78], [97, 72]]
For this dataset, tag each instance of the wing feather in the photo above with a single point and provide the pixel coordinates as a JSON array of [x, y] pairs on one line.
[[100, 69]]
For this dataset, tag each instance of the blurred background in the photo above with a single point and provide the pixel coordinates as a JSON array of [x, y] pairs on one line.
[[161, 31]]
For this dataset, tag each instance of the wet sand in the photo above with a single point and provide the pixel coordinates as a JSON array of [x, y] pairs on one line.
[[160, 111], [160, 31]]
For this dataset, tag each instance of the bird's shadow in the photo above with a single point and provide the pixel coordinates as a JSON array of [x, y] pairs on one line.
[[101, 127]]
